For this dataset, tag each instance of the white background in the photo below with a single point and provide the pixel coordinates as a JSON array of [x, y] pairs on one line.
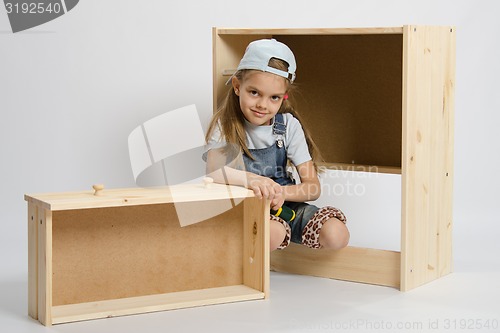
[[73, 89]]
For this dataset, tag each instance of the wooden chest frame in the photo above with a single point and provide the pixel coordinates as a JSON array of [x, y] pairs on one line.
[[376, 100], [124, 252]]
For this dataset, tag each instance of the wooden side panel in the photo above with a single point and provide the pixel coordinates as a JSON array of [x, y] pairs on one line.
[[256, 245], [44, 266], [32, 261], [227, 52], [372, 266], [427, 156]]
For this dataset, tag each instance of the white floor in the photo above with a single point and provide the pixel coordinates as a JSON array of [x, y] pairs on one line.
[[459, 302]]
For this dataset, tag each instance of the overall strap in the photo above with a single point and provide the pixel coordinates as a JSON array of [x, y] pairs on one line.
[[279, 127]]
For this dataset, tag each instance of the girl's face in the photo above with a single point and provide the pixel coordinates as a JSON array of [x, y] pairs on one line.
[[261, 95]]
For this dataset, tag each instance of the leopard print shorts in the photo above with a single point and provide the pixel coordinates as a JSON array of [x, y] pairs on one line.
[[310, 234], [288, 230]]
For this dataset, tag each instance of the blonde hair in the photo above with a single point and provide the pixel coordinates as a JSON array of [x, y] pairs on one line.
[[232, 122]]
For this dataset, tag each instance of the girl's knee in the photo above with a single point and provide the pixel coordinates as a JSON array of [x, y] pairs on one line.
[[334, 235], [278, 235]]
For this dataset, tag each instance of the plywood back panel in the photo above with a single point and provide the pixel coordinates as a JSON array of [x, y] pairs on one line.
[[349, 95], [349, 89], [117, 252]]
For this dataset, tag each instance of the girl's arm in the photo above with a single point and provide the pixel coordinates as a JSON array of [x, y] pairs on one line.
[[262, 187], [309, 188]]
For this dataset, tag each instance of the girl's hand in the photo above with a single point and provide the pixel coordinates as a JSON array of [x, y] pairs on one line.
[[278, 201], [267, 188]]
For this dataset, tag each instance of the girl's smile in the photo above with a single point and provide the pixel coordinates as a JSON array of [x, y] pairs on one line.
[[259, 114]]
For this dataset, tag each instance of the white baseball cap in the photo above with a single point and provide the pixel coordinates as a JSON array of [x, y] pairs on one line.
[[259, 52]]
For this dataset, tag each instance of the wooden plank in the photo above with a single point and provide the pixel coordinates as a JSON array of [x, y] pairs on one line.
[[256, 245], [153, 303], [427, 157], [310, 31], [360, 168], [136, 196], [33, 261], [372, 266], [44, 266]]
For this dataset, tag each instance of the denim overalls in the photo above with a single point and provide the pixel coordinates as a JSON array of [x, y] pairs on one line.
[[271, 162]]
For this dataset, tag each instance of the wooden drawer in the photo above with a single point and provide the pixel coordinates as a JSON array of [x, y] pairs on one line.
[[125, 252]]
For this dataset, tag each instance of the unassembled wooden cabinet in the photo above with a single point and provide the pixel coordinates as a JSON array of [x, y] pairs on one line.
[[377, 100], [124, 251]]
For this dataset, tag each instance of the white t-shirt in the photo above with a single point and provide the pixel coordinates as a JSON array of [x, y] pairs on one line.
[[260, 137]]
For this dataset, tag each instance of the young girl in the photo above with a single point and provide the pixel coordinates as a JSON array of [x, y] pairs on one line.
[[258, 119]]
